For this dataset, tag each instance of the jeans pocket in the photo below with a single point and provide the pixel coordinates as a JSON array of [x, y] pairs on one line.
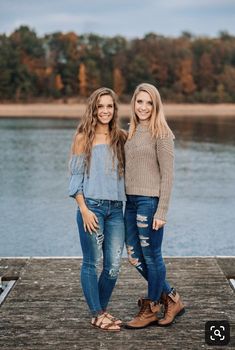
[[93, 202]]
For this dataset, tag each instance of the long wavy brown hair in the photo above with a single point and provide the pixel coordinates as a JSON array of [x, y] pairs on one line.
[[158, 125], [87, 129]]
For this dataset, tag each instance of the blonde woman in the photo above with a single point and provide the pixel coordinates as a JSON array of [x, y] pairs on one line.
[[149, 153], [97, 184]]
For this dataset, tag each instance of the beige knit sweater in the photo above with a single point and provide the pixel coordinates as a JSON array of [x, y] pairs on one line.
[[149, 167]]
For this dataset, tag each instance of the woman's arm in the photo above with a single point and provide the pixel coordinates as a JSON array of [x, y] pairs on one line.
[[90, 220], [165, 157], [77, 168]]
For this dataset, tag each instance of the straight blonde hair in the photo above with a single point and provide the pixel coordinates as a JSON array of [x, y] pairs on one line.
[[158, 125]]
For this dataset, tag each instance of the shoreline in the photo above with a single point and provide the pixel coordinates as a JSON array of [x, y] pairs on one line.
[[76, 110]]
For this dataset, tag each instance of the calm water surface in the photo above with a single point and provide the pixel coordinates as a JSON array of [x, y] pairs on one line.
[[37, 218]]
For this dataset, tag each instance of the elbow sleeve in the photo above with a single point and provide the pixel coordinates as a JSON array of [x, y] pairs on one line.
[[77, 169]]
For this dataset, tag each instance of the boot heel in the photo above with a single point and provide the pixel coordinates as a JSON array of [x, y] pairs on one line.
[[181, 312]]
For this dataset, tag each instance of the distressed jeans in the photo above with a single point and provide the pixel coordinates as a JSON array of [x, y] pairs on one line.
[[109, 242], [144, 244]]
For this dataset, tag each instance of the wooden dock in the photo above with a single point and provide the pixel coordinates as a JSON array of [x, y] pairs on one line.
[[46, 309]]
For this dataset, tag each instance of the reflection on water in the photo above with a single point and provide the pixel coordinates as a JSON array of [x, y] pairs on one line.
[[38, 218], [207, 129], [216, 130]]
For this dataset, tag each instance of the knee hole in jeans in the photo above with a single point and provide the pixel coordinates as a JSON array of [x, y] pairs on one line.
[[115, 266], [132, 260], [143, 241]]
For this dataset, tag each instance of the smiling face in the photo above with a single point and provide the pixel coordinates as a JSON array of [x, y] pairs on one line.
[[143, 106], [105, 109]]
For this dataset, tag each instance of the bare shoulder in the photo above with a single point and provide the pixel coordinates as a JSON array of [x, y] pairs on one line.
[[78, 144]]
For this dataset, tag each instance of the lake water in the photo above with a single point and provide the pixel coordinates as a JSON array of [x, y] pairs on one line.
[[37, 218]]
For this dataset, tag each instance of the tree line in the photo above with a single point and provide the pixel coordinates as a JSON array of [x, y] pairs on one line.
[[66, 65]]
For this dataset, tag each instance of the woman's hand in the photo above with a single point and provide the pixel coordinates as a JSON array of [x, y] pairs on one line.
[[158, 224], [90, 220]]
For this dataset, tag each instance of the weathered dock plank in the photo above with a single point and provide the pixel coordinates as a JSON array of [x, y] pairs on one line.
[[46, 310], [227, 266]]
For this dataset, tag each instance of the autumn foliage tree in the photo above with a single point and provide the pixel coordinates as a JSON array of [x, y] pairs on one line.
[[63, 65], [58, 83], [82, 78], [185, 77], [118, 81]]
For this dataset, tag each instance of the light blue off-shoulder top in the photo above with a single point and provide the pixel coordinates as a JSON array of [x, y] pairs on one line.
[[102, 182]]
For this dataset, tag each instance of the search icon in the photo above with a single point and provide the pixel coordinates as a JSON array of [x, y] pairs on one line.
[[217, 333]]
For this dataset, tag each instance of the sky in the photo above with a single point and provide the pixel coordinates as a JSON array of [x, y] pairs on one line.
[[129, 18]]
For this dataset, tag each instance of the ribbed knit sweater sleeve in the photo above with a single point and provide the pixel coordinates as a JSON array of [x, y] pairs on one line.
[[165, 157]]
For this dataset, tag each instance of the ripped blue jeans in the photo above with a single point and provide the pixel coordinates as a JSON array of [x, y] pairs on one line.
[[109, 242], [144, 244]]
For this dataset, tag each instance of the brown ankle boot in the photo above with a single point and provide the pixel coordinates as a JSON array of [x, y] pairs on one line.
[[173, 308], [146, 315]]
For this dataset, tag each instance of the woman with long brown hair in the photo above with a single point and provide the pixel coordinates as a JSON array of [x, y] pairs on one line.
[[97, 184], [149, 153]]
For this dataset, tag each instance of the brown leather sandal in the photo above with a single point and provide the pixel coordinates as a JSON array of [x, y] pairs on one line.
[[104, 323], [114, 319]]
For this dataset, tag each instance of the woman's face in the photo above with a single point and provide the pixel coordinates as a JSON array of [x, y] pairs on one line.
[[143, 106], [105, 109]]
